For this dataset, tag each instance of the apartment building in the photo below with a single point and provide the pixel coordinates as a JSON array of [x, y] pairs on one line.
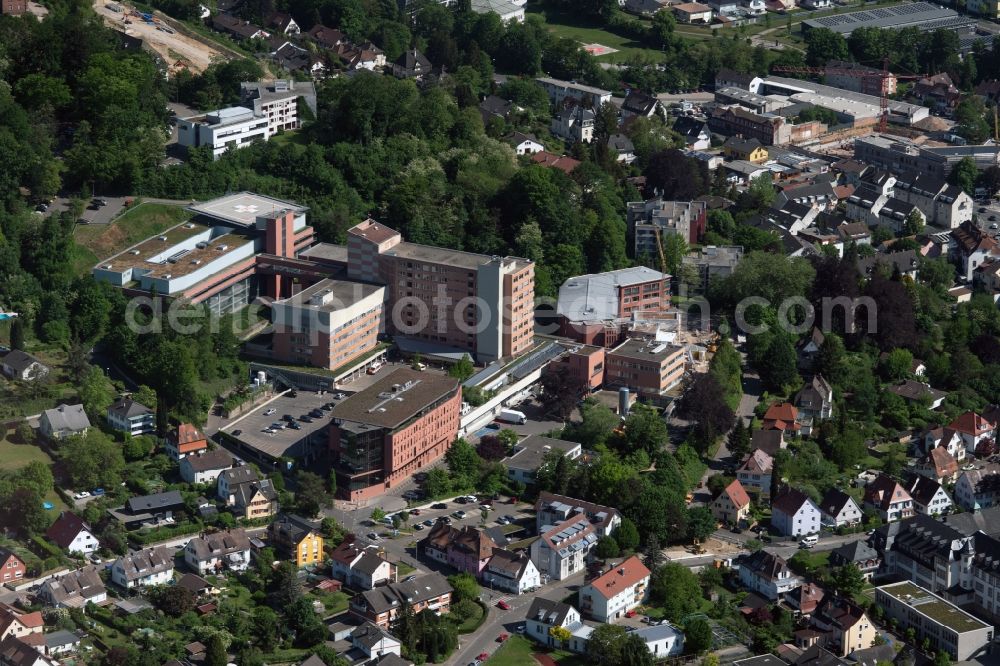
[[223, 129], [568, 530], [575, 123], [383, 605], [467, 549], [384, 434], [450, 299], [278, 102], [298, 538], [650, 368], [551, 509], [978, 488], [903, 156], [617, 591], [647, 219], [144, 568], [593, 308], [945, 206], [128, 416], [769, 129], [943, 624], [713, 263], [559, 91], [328, 324]]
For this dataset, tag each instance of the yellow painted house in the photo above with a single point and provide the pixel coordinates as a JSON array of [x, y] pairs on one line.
[[297, 538], [751, 150]]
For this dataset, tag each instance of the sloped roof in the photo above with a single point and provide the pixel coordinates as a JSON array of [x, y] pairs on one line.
[[219, 544], [944, 463], [764, 564], [758, 462], [769, 441], [781, 416], [20, 360], [736, 494], [147, 503], [885, 491], [923, 489], [971, 423], [145, 562], [790, 501], [67, 417], [210, 460], [621, 577], [834, 501], [854, 551], [126, 408], [65, 528], [548, 612]]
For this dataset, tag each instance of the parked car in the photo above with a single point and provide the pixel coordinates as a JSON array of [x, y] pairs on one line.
[[418, 527], [373, 536], [503, 605], [237, 433], [459, 514], [414, 512], [83, 494], [288, 417], [294, 426], [439, 505], [339, 396], [98, 492], [428, 523], [270, 411]]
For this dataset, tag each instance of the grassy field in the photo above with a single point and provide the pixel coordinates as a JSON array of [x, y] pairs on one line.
[[574, 26], [145, 220], [15, 456], [519, 651]]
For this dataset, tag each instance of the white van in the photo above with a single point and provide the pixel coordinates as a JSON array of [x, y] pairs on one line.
[[809, 541]]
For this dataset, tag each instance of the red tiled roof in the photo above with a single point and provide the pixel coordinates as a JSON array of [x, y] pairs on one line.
[[548, 159], [885, 491], [625, 575], [971, 423], [944, 463], [781, 416], [737, 495]]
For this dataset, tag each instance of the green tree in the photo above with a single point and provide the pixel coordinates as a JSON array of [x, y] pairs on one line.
[[848, 580], [627, 536], [92, 460], [674, 250], [215, 652], [463, 463], [964, 175], [697, 636], [897, 364], [914, 223], [675, 588], [823, 45], [634, 652], [971, 118], [645, 430], [95, 393], [942, 658], [311, 494], [17, 334], [605, 644], [438, 483], [606, 548], [465, 586], [700, 523], [463, 369]]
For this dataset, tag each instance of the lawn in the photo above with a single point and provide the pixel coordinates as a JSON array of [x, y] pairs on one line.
[[138, 224], [472, 622], [519, 651], [573, 25], [15, 456], [333, 602]]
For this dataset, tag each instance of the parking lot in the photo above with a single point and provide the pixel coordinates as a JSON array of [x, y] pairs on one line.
[[251, 428]]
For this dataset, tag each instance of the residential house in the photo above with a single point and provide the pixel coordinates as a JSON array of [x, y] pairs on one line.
[[467, 549], [412, 64], [972, 247], [805, 598], [63, 421], [149, 509], [944, 438], [561, 162], [918, 392], [283, 23], [153, 566], [903, 263], [839, 509], [809, 349], [929, 497], [362, 56], [525, 144], [782, 416], [70, 533], [858, 553], [943, 205], [973, 429], [128, 416], [238, 28], [12, 567], [74, 589], [938, 92], [938, 465], [978, 488], [545, 614], [642, 105], [383, 605], [815, 403], [61, 642], [205, 467], [298, 538], [15, 651], [616, 592], [529, 454], [327, 38], [732, 506], [644, 7], [211, 553], [662, 640], [692, 13], [185, 441], [755, 473], [750, 150], [495, 107], [694, 131], [574, 123], [361, 567], [20, 625], [794, 514], [888, 498], [374, 642], [294, 58], [256, 499], [768, 575], [197, 585], [551, 508], [23, 366], [511, 571], [623, 147], [562, 549], [847, 625], [230, 479]]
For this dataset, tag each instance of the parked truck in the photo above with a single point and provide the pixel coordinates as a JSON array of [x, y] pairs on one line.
[[512, 416]]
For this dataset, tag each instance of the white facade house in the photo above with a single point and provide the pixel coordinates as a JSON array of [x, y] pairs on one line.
[[278, 101], [839, 509], [70, 533], [768, 575], [978, 489], [575, 123], [374, 642], [511, 572], [888, 498], [74, 590], [211, 553], [662, 640], [133, 418], [929, 497], [562, 549], [613, 594], [360, 566], [233, 127], [64, 421], [205, 467], [794, 514], [559, 90], [153, 566], [21, 365], [947, 439], [544, 614]]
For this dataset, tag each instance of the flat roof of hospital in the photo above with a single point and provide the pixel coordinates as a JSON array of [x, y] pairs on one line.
[[933, 606], [332, 295], [243, 208]]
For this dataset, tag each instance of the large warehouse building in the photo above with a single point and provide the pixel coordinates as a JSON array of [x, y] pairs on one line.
[[923, 15]]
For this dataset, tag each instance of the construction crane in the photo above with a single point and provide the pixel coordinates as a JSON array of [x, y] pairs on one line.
[[882, 75], [659, 247]]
